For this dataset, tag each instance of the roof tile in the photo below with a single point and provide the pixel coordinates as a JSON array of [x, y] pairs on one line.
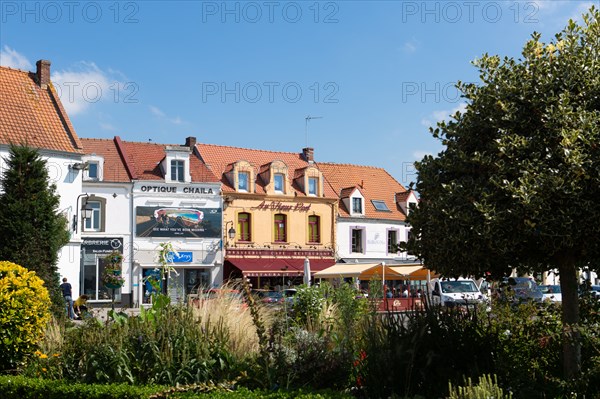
[[221, 158], [374, 184], [33, 116]]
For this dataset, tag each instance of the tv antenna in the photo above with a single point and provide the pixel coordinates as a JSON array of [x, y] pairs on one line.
[[306, 120]]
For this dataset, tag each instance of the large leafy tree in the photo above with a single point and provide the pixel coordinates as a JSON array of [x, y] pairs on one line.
[[518, 182], [31, 229]]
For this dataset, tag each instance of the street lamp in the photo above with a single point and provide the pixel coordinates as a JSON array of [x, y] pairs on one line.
[[86, 210], [231, 231]]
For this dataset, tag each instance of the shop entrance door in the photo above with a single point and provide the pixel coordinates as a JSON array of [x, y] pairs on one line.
[[196, 280]]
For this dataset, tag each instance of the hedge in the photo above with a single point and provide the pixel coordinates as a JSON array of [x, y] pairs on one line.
[[19, 387]]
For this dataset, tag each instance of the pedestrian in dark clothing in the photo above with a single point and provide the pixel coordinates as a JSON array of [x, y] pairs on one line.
[[68, 295]]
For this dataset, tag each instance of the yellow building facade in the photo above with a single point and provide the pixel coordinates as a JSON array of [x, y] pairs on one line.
[[278, 214]]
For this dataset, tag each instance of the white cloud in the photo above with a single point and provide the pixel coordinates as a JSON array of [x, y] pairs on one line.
[[411, 46], [13, 59], [160, 114], [85, 85], [438, 116], [107, 126], [156, 111]]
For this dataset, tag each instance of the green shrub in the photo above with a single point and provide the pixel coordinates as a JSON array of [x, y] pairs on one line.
[[485, 389], [19, 387], [403, 352], [308, 303], [24, 313], [167, 345]]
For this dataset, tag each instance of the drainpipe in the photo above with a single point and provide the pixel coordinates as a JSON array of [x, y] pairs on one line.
[[135, 291]]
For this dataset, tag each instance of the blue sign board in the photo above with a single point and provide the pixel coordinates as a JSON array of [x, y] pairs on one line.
[[180, 257]]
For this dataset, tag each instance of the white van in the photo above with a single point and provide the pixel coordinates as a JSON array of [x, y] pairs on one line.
[[455, 292]]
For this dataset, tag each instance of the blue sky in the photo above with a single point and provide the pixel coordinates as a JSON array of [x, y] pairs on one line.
[[247, 74]]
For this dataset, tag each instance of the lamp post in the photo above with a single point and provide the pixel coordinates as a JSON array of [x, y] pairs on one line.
[[86, 211], [231, 232]]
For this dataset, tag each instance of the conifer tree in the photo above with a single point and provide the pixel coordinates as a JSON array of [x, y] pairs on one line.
[[31, 229]]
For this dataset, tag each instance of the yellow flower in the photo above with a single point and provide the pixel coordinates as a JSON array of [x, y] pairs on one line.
[[56, 355], [550, 48], [37, 353], [44, 369], [43, 356]]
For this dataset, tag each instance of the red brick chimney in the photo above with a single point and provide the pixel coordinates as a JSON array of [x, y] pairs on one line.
[[43, 73], [309, 154], [190, 141]]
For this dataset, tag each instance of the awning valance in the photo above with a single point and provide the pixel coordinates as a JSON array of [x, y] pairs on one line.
[[367, 271], [267, 267], [342, 270], [414, 272]]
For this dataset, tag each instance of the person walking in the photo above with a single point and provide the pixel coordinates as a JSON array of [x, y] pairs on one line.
[[68, 295]]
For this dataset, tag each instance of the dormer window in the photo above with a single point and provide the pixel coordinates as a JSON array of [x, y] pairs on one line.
[[94, 165], [410, 206], [357, 206], [243, 178], [313, 184], [92, 171], [177, 170], [278, 181], [176, 164]]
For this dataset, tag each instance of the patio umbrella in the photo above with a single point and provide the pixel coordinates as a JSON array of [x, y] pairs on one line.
[[307, 271]]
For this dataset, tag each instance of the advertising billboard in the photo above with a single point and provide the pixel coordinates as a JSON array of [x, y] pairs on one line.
[[156, 221]]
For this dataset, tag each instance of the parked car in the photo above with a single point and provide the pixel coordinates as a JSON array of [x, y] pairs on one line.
[[218, 293], [458, 292], [596, 290], [268, 297], [551, 293], [521, 289], [288, 295]]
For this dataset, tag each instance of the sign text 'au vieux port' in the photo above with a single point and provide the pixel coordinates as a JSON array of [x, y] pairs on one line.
[[281, 206]]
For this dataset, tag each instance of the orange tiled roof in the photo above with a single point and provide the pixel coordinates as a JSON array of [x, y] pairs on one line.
[[346, 192], [145, 158], [127, 160], [221, 158], [33, 116], [374, 184], [114, 169], [402, 197]]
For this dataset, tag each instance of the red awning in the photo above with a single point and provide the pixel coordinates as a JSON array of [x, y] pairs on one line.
[[255, 267]]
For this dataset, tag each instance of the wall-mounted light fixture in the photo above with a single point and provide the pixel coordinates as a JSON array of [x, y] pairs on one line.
[[231, 231], [79, 166], [86, 211]]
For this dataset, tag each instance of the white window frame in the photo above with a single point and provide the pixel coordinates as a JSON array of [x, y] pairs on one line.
[[362, 248], [177, 174], [313, 190], [245, 189], [88, 224], [362, 207], [93, 165], [281, 177], [388, 240], [91, 160]]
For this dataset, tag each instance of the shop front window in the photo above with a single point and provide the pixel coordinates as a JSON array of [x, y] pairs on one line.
[[152, 275], [93, 269]]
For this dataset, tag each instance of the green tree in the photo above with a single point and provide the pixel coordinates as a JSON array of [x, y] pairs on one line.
[[31, 229], [518, 182]]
